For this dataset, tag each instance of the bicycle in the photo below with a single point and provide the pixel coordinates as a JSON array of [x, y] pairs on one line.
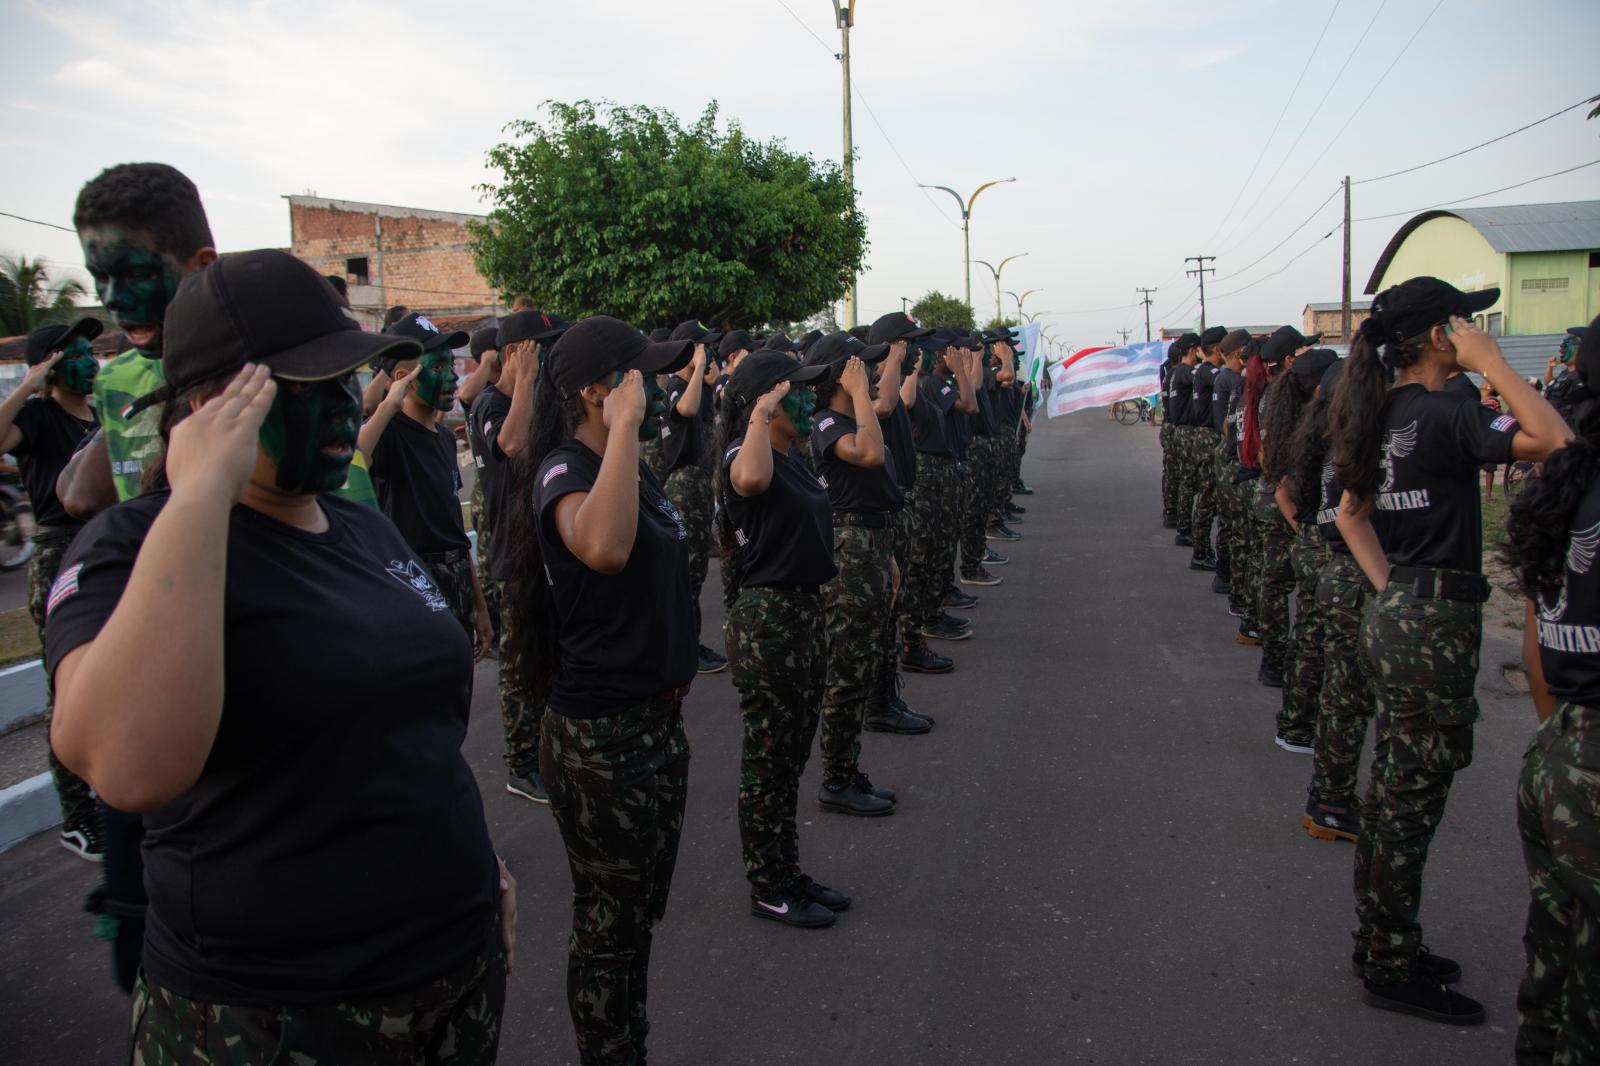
[[1136, 410]]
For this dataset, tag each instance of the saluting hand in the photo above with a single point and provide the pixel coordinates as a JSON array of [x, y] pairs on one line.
[[624, 405], [767, 405], [854, 377], [214, 449], [34, 380], [397, 391], [1475, 349]]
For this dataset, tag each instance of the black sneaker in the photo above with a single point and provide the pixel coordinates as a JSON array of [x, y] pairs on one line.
[[792, 908], [924, 660], [830, 898], [1424, 997], [1221, 586], [1248, 634], [947, 632], [1202, 563], [1296, 745], [956, 600], [848, 797], [711, 662], [1182, 539], [1001, 531], [1167, 523], [1236, 612], [1270, 675], [896, 720], [951, 620], [1012, 516], [864, 783], [980, 576], [528, 786], [1325, 821], [1427, 965], [1015, 509], [1020, 489], [993, 558], [898, 704], [84, 841]]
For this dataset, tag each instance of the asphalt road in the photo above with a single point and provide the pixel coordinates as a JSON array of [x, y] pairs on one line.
[[1097, 856]]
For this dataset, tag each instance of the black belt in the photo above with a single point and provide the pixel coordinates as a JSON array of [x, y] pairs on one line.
[[873, 520], [1430, 584], [54, 534], [672, 695], [454, 555], [777, 586]]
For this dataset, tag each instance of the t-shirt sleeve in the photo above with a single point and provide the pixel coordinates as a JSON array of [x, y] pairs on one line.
[[27, 423], [558, 477], [1483, 434], [92, 577], [830, 427], [491, 418], [382, 453]]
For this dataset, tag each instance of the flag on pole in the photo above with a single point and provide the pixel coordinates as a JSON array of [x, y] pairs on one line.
[[1097, 377], [1031, 368]]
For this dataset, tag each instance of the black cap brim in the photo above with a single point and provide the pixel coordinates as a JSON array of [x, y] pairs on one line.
[[800, 375], [87, 328], [1473, 302], [333, 354], [1577, 331], [873, 353], [457, 339], [661, 357]]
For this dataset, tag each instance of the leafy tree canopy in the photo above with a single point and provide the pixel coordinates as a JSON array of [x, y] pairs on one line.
[[30, 298], [609, 209], [1003, 322], [935, 309]]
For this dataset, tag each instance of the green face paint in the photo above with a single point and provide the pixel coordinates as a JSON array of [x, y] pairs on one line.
[[656, 407], [310, 433], [436, 379], [134, 280], [799, 403], [77, 369]]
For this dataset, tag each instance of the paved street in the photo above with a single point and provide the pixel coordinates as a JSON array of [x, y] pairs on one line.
[[1096, 859]]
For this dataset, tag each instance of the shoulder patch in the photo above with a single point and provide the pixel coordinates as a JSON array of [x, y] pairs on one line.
[[1504, 423], [553, 473], [66, 585], [825, 423]]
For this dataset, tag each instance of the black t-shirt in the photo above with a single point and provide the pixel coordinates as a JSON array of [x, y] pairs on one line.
[[1166, 391], [1180, 382], [1569, 622], [898, 440], [930, 418], [1328, 509], [1427, 509], [986, 423], [488, 415], [414, 469], [50, 436], [785, 535], [1200, 405], [334, 846], [852, 489], [683, 439], [960, 432], [1225, 389], [628, 636]]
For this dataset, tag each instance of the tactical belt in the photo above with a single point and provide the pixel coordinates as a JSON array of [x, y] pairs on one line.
[[1429, 584], [863, 520], [778, 586], [449, 558]]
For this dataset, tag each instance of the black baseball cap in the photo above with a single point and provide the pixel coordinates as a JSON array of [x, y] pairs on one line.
[[1310, 367], [46, 339], [759, 372], [420, 328], [1004, 335], [1577, 331], [270, 308], [835, 349], [484, 340], [661, 333], [1184, 343], [1213, 335], [1403, 311], [595, 347], [805, 343], [1330, 376], [1284, 342], [1235, 340], [531, 326], [895, 326], [694, 331], [778, 342], [734, 340]]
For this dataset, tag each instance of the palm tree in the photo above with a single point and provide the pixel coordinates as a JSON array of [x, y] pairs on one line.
[[30, 298]]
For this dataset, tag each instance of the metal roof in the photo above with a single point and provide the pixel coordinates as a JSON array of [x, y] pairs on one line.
[[1357, 303], [1566, 227]]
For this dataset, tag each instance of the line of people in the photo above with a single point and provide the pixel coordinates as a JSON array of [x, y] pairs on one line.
[[261, 615], [1349, 487]]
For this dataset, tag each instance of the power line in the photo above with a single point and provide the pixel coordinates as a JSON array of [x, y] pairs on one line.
[[808, 29], [1245, 269], [1474, 148], [1477, 196], [1086, 310], [1291, 262], [36, 222]]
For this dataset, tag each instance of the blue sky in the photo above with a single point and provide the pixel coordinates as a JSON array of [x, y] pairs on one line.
[[1131, 126]]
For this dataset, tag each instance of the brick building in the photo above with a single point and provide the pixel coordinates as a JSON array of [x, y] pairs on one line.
[[1328, 319], [392, 255]]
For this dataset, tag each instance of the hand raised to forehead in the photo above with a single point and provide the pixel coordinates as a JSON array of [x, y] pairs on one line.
[[624, 405], [214, 450], [854, 377], [769, 402]]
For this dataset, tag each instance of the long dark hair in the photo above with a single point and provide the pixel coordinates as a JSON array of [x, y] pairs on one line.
[[1307, 452], [1360, 412], [1255, 384], [1540, 524], [534, 630], [1287, 397]]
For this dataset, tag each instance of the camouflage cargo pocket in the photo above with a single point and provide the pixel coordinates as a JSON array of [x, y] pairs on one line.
[[1429, 644], [1451, 746]]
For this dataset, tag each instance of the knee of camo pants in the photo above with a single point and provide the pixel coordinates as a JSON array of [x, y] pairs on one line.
[[857, 603], [77, 800], [777, 666], [1558, 815], [1344, 707]]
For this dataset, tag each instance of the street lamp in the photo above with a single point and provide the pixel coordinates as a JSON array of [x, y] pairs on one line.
[[1022, 300], [845, 16], [996, 271], [966, 228]]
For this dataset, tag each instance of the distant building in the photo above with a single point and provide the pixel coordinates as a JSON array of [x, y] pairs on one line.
[[393, 255], [1544, 258], [1328, 319]]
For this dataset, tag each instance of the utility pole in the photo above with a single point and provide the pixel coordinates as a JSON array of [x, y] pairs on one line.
[[1201, 270], [1146, 302], [904, 303], [1124, 333], [1344, 294], [845, 14]]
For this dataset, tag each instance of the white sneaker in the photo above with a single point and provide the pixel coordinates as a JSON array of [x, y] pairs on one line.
[[1298, 749]]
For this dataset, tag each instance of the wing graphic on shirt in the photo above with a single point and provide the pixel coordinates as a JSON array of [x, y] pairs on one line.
[[1397, 444], [1580, 557]]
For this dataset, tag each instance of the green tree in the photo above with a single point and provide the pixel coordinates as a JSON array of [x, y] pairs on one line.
[[935, 309], [608, 209], [29, 298], [1003, 322]]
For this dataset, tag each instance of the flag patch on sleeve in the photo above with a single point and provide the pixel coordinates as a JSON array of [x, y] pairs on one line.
[[66, 584], [1504, 423], [825, 423], [553, 473]]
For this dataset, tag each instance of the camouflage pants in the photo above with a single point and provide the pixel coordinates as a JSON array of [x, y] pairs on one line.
[[896, 624], [650, 452], [1422, 658], [689, 489], [452, 574], [480, 528], [978, 500], [934, 529], [618, 786], [1007, 467], [777, 651], [1345, 706], [520, 710], [77, 801], [1558, 813], [1303, 669], [1203, 505], [454, 1019], [1244, 554], [1221, 474], [857, 605], [1276, 583], [1183, 475], [1169, 485]]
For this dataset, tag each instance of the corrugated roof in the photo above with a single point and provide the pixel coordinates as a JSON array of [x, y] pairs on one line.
[[1356, 304], [1566, 227]]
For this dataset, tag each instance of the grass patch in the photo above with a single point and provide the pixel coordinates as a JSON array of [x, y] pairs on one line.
[[19, 638]]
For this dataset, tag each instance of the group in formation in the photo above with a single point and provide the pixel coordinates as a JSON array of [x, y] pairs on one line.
[[1350, 487], [261, 611]]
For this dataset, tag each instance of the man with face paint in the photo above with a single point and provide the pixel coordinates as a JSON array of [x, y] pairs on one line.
[[42, 423], [483, 377], [414, 463], [686, 438]]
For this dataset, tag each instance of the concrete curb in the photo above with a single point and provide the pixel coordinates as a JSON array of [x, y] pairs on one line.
[[26, 808], [22, 694]]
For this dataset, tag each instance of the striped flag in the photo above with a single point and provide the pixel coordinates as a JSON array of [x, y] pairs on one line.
[[1097, 377]]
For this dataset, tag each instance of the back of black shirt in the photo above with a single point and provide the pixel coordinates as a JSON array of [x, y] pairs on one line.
[[1180, 383], [488, 415], [930, 418], [898, 440], [1328, 511], [784, 536], [986, 423], [683, 439], [852, 489], [1200, 405], [414, 469], [1569, 621], [50, 436], [1225, 386]]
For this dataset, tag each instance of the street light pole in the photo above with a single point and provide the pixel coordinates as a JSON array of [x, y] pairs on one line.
[[997, 271], [844, 12], [1021, 300], [966, 225]]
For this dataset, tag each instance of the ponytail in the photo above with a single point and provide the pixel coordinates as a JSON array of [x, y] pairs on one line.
[[1255, 384], [1285, 399], [1359, 416], [1307, 453]]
